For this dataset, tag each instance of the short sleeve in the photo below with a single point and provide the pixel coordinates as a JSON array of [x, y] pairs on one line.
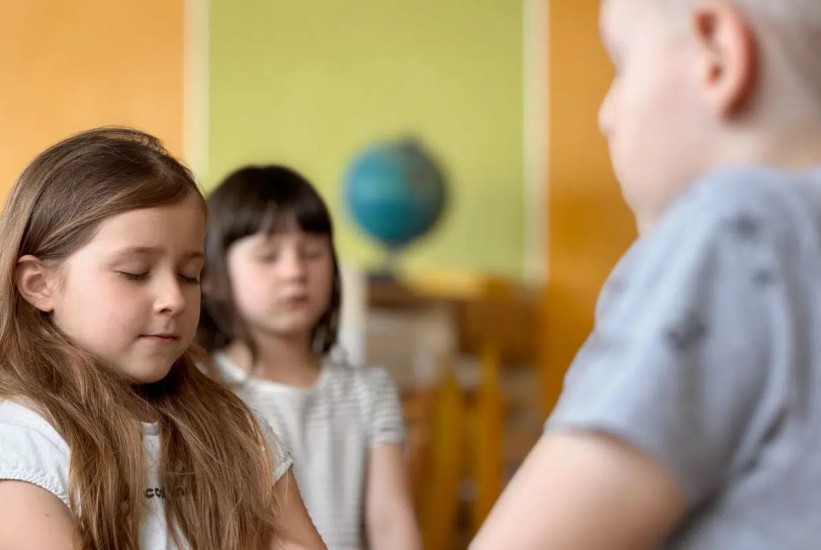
[[690, 357], [387, 425], [32, 451], [282, 460]]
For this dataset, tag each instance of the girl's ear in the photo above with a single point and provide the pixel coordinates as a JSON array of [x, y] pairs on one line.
[[36, 283]]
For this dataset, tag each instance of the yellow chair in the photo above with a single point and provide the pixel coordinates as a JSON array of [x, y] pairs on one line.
[[487, 435], [445, 467]]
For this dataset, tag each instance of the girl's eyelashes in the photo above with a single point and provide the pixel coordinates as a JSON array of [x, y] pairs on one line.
[[267, 258], [134, 276], [313, 252], [190, 280], [140, 277]]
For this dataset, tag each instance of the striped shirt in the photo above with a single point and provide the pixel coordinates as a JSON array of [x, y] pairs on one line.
[[329, 430]]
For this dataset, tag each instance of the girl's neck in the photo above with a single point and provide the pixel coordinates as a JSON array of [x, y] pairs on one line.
[[288, 362]]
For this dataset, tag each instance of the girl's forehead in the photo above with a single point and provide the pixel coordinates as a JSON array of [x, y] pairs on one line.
[[175, 225]]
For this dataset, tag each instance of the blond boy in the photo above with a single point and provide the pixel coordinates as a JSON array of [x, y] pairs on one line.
[[691, 418]]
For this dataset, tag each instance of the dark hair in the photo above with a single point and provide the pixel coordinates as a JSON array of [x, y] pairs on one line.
[[259, 199]]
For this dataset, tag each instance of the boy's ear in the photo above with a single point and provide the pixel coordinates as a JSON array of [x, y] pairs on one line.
[[727, 54], [34, 281]]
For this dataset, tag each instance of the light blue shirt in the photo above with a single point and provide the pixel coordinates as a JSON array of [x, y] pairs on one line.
[[706, 355]]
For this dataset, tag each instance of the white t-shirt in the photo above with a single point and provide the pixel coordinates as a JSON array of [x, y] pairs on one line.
[[329, 429], [31, 450]]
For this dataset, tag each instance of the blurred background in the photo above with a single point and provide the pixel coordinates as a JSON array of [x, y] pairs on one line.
[[506, 240]]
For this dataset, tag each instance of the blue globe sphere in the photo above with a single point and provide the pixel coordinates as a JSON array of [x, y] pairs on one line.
[[395, 192]]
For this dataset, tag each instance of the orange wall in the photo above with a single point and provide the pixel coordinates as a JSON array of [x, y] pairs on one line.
[[67, 66], [588, 225]]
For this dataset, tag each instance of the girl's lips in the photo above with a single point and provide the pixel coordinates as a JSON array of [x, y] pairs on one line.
[[295, 301], [160, 338]]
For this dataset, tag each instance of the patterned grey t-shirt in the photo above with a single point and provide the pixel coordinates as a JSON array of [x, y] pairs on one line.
[[706, 354]]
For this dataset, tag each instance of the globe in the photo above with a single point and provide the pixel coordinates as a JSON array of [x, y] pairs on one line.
[[395, 193]]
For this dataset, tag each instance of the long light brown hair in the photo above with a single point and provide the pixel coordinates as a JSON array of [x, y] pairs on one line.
[[213, 460]]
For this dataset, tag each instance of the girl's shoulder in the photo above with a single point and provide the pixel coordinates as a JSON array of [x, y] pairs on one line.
[[281, 456], [370, 390], [371, 379], [20, 416]]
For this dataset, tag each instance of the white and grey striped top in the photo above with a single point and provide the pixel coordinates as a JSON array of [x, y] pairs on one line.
[[329, 430]]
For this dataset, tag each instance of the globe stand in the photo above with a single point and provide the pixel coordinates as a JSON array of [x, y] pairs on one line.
[[388, 268]]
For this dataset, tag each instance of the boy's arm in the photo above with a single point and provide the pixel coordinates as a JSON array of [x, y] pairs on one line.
[[583, 490], [696, 363], [297, 531], [389, 517]]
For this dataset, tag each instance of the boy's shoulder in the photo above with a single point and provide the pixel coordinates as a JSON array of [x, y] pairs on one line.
[[778, 196], [778, 209], [758, 219]]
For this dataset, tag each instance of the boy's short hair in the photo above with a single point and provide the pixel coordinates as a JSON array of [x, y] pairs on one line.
[[795, 24], [803, 12]]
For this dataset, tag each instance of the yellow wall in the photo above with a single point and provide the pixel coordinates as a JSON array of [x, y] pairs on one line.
[[67, 66], [588, 225], [309, 83]]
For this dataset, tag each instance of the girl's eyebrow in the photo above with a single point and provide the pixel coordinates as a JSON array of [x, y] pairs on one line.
[[154, 251]]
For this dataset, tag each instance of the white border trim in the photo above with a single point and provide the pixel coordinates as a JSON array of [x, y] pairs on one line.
[[535, 58], [195, 85]]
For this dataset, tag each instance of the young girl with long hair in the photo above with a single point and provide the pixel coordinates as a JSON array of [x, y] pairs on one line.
[[110, 436]]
